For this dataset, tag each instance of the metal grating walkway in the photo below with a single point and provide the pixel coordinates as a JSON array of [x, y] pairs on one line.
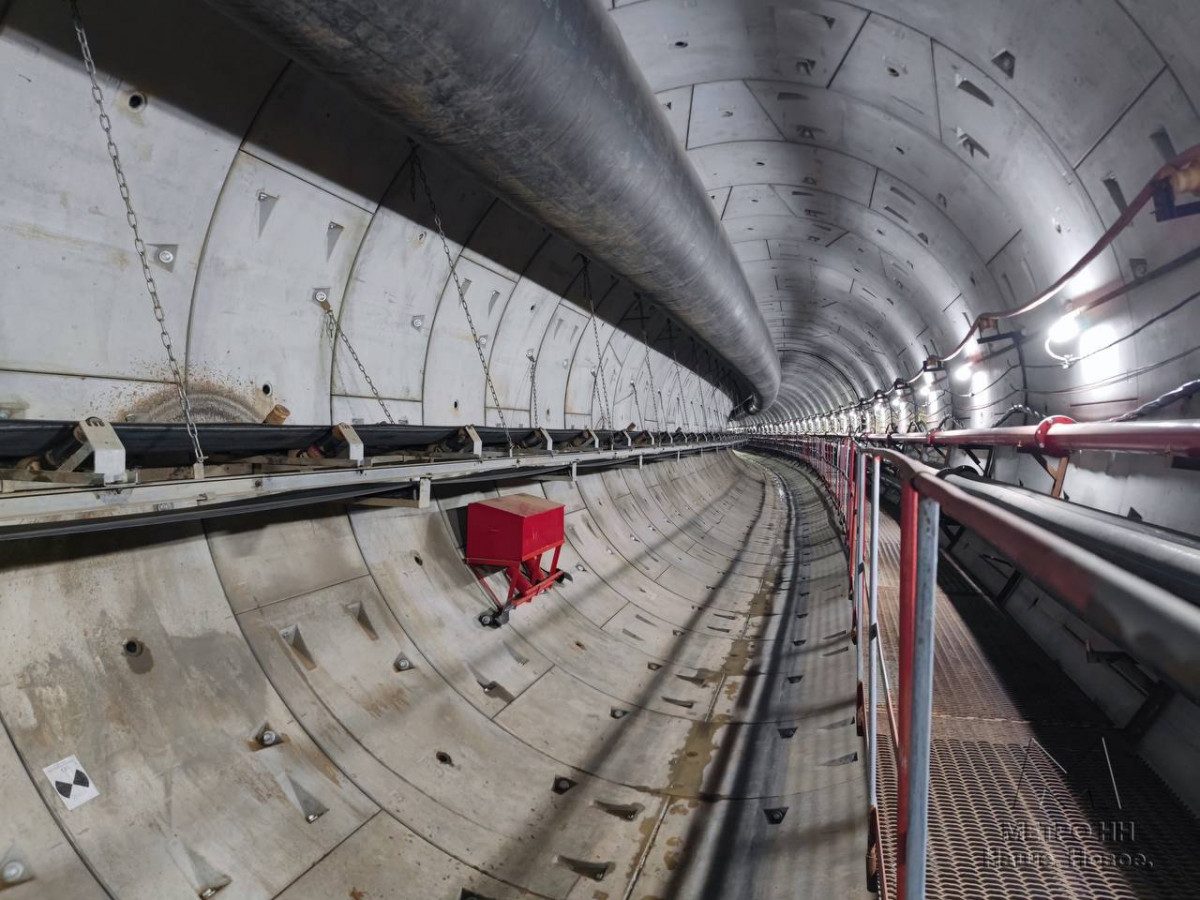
[[1022, 800]]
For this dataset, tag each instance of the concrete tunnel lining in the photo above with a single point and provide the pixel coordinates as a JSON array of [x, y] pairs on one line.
[[869, 232], [513, 709]]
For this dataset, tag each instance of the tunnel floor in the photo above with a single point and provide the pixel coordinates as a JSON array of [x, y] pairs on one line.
[[677, 721], [1033, 794]]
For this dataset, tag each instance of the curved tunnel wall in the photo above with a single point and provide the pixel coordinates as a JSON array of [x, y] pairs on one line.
[[266, 185], [875, 213], [890, 170], [542, 759]]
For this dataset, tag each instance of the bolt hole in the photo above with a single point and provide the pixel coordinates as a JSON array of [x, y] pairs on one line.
[[267, 389], [900, 150], [456, 404], [893, 71], [418, 560], [136, 101], [133, 647], [681, 44], [444, 758]]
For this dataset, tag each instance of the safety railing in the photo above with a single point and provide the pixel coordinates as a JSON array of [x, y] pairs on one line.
[[1157, 628]]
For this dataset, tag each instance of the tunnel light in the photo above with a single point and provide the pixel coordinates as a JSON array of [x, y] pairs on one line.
[[963, 373], [926, 390], [979, 382], [1065, 329]]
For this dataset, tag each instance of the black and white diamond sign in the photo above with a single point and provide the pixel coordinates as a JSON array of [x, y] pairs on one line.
[[70, 782]]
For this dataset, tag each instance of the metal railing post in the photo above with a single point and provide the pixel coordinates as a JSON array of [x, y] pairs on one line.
[[920, 690], [908, 589], [875, 865], [856, 590]]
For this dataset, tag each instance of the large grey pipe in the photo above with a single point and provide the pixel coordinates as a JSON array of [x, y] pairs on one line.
[[1166, 558], [542, 101]]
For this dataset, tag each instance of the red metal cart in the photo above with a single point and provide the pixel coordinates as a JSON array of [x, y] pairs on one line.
[[513, 532]]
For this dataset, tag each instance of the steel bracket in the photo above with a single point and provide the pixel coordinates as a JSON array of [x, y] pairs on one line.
[[415, 496], [354, 449], [98, 440], [476, 442]]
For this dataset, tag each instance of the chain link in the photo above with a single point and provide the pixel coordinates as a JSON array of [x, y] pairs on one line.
[[638, 406], [462, 296], [649, 370], [533, 386], [653, 393], [185, 402], [678, 375], [335, 330], [687, 425], [605, 408]]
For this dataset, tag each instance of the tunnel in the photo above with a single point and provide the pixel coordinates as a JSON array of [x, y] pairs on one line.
[[599, 449]]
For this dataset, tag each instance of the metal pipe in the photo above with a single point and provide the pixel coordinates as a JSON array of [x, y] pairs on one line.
[[545, 105], [920, 692], [873, 640], [908, 589], [1157, 628], [860, 495], [1166, 558], [1060, 438], [874, 665]]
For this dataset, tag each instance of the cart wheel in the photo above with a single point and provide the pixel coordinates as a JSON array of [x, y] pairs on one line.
[[487, 620], [564, 576]]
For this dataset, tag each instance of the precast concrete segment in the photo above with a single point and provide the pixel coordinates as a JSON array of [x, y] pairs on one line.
[[237, 694], [545, 104]]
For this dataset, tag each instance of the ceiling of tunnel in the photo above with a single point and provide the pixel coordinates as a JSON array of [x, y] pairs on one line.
[[282, 190], [885, 171], [890, 170]]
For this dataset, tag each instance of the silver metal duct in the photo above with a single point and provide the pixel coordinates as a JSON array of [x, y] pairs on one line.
[[540, 99], [1163, 557]]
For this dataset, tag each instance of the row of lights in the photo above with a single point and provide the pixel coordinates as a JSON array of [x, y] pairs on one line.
[[1066, 329]]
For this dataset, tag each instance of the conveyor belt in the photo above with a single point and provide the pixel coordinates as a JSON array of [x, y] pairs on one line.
[[168, 443], [1022, 800]]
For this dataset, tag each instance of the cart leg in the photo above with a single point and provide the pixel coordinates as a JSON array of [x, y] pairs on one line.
[[535, 569]]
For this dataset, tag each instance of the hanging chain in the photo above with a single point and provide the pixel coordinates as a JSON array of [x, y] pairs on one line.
[[533, 386], [462, 295], [638, 406], [335, 330], [139, 246], [649, 370], [653, 393], [605, 408], [678, 376]]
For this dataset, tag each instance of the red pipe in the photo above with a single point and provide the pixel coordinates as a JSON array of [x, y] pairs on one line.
[[1057, 437], [908, 608], [852, 517]]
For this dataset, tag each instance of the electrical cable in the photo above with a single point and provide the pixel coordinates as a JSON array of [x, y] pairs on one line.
[[1183, 392], [1182, 161]]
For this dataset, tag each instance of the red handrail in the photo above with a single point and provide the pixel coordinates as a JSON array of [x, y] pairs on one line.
[[1154, 626], [1058, 436]]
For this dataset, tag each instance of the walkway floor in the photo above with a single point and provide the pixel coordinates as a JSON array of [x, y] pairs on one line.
[[1023, 801]]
